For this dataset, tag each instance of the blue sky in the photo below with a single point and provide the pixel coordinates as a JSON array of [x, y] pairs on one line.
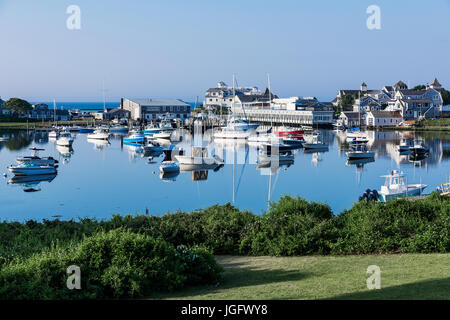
[[179, 48]]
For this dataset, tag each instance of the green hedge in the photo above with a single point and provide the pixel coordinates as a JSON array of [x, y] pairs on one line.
[[113, 265], [132, 256]]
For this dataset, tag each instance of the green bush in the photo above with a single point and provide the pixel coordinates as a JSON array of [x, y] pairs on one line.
[[113, 265], [292, 226], [398, 225]]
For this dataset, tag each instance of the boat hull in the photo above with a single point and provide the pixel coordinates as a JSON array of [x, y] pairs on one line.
[[413, 190], [360, 155], [30, 171]]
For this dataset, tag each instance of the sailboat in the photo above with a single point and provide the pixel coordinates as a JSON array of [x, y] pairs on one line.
[[236, 128]]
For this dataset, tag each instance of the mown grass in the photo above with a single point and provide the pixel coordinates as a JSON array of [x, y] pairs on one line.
[[403, 276]]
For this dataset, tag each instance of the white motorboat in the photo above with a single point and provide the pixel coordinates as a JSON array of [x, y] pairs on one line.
[[314, 142], [34, 159], [162, 135], [360, 151], [396, 186], [135, 137], [240, 125], [28, 170], [99, 134], [65, 139], [198, 158], [230, 133], [169, 166]]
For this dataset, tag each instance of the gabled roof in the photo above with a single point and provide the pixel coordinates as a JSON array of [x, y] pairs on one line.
[[410, 92], [400, 84], [351, 114], [386, 114]]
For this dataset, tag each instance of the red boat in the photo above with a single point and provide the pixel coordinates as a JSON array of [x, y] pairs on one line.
[[285, 131]]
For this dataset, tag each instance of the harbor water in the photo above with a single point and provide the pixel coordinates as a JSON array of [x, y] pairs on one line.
[[98, 179]]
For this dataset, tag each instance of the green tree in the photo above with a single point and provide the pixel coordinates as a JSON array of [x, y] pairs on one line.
[[420, 87], [17, 105], [445, 96], [346, 102]]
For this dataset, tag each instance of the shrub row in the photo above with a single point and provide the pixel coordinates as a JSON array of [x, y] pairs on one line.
[[292, 226], [114, 264]]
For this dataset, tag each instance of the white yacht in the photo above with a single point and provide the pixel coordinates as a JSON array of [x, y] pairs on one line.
[[162, 135], [396, 186], [30, 169], [99, 134], [65, 139], [198, 158], [34, 159], [314, 142]]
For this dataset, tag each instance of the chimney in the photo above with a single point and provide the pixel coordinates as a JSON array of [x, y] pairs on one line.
[[121, 103]]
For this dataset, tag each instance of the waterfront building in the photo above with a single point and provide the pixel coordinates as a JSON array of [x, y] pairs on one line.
[[41, 111], [366, 104], [294, 110], [383, 118], [222, 95], [351, 119], [154, 109], [413, 104]]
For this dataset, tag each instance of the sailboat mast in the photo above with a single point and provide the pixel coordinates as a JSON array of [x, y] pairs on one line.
[[54, 110], [270, 97], [104, 97]]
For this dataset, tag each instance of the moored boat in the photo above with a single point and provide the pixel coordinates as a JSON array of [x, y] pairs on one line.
[[396, 186], [28, 170], [34, 159], [99, 134], [65, 139]]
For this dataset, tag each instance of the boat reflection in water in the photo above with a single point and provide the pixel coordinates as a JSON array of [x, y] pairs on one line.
[[31, 183], [169, 176], [99, 144], [65, 152]]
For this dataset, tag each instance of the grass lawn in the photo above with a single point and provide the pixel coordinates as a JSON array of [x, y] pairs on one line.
[[406, 276]]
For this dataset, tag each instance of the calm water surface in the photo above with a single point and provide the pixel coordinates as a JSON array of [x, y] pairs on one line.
[[97, 180]]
